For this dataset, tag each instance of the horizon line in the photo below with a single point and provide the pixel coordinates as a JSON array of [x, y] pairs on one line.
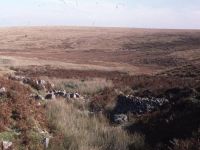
[[88, 26]]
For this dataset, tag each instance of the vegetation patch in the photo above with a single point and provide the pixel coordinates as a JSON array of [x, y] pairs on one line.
[[84, 132]]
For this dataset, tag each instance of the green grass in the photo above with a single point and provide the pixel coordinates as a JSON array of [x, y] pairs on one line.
[[7, 136]]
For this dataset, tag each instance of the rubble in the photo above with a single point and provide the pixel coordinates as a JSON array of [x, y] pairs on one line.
[[138, 105]]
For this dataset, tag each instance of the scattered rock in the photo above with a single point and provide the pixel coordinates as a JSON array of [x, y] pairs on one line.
[[44, 85], [73, 96], [120, 118], [35, 83]]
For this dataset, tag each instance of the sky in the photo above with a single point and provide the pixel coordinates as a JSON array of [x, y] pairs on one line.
[[175, 14]]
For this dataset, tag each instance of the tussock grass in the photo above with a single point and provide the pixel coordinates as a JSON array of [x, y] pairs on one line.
[[84, 132]]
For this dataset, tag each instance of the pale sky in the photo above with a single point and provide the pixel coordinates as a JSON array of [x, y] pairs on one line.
[[111, 13]]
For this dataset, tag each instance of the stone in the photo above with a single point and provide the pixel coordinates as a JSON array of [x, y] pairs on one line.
[[6, 145], [42, 82], [39, 97], [67, 95], [60, 93], [2, 90], [77, 95], [50, 96], [26, 80], [46, 142], [72, 95], [52, 85], [120, 118], [39, 104]]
